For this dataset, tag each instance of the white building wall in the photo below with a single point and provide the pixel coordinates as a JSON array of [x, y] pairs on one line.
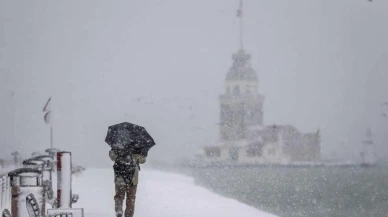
[[273, 153]]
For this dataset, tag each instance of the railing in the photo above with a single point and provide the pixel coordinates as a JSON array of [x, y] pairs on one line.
[[25, 191], [5, 193]]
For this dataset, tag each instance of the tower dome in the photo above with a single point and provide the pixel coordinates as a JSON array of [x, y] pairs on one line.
[[241, 69]]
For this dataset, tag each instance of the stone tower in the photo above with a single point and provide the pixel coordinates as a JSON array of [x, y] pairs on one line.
[[241, 104]]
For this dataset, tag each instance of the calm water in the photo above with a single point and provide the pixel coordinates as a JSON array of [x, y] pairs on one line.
[[304, 192]]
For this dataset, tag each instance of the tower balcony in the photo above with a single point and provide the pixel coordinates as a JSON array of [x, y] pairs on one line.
[[253, 97]]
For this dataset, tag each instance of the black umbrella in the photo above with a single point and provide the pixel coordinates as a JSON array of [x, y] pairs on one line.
[[129, 137]]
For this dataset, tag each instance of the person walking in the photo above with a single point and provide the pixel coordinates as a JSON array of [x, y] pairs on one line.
[[126, 168]]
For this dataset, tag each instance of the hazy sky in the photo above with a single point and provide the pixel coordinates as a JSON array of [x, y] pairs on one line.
[[321, 64]]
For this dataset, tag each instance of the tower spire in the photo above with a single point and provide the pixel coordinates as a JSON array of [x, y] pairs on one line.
[[240, 16]]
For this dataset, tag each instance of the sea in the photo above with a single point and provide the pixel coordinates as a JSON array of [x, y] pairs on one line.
[[303, 192]]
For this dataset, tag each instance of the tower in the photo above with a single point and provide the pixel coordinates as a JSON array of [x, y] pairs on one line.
[[241, 105]]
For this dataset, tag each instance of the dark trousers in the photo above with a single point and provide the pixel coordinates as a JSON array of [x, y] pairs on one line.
[[122, 190]]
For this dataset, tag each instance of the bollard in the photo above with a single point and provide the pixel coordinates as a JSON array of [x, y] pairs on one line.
[[64, 191], [64, 179], [34, 164], [28, 194], [47, 165], [53, 153], [47, 177]]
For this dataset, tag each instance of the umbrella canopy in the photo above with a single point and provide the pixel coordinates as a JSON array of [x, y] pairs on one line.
[[129, 137]]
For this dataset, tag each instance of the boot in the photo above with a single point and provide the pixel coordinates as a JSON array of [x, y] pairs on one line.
[[119, 214]]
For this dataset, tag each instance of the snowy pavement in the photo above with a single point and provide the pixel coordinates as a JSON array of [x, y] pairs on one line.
[[159, 195]]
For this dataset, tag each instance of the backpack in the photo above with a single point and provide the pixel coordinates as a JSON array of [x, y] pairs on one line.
[[125, 166]]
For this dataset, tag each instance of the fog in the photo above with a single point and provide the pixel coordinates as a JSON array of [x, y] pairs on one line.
[[162, 64]]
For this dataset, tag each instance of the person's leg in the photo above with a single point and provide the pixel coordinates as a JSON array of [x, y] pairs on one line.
[[131, 197], [120, 188]]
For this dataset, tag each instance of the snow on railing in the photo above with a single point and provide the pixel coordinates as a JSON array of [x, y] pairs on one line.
[[25, 191], [5, 193]]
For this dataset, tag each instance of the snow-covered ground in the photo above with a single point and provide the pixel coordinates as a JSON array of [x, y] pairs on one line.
[[159, 195]]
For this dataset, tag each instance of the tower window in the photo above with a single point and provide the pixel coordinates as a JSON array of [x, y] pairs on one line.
[[213, 152], [236, 90], [234, 153]]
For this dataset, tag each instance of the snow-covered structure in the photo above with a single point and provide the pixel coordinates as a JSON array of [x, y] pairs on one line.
[[28, 190], [280, 144], [244, 138], [5, 195], [241, 104]]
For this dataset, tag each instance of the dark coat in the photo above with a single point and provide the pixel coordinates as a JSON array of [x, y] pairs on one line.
[[127, 166]]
